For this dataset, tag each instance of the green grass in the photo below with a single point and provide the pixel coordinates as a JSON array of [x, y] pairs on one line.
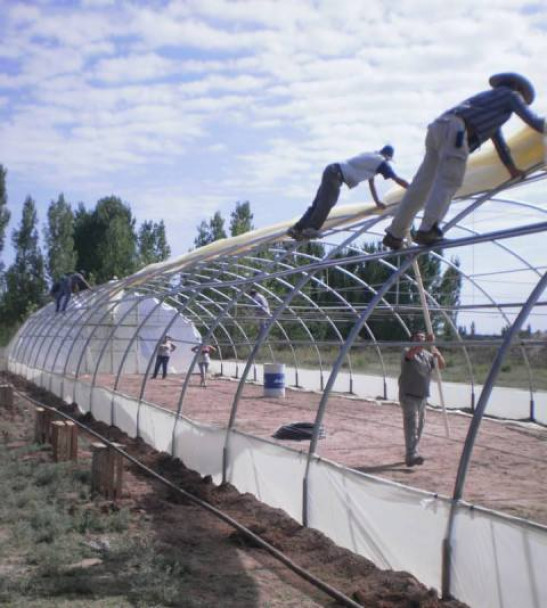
[[365, 360], [47, 518]]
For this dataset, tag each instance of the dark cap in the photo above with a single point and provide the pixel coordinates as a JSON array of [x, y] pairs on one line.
[[516, 82], [387, 151]]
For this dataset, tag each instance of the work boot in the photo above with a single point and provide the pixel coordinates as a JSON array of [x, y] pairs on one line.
[[392, 242], [429, 237], [410, 461], [295, 234], [311, 233]]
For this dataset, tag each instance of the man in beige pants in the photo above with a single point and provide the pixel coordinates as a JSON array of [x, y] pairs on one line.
[[449, 141], [417, 364]]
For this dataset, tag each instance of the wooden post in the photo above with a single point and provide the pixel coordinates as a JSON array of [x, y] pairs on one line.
[[72, 436], [58, 440], [48, 418], [39, 420], [97, 466], [114, 481], [6, 396], [107, 470]]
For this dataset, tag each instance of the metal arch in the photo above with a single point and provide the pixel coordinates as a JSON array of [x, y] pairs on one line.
[[233, 318], [365, 285], [106, 296], [176, 294], [263, 333], [206, 338], [37, 321], [411, 254], [74, 313], [474, 428], [350, 306], [109, 308], [132, 306], [25, 335], [210, 314], [296, 315], [336, 368], [527, 267], [456, 221], [284, 283]]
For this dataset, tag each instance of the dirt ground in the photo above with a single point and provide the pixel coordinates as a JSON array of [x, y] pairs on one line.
[[508, 473], [218, 553], [508, 470]]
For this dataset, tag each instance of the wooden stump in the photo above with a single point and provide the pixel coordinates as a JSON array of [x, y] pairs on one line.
[[72, 430], [107, 470], [97, 467], [59, 441], [6, 396], [41, 421], [64, 440]]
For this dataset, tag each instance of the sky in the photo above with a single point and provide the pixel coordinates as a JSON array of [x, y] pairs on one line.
[[183, 107]]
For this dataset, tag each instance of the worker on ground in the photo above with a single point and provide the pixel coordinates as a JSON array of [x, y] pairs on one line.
[[262, 308], [449, 141], [350, 172], [204, 359], [164, 351], [417, 364]]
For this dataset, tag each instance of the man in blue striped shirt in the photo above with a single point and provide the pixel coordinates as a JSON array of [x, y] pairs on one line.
[[449, 141]]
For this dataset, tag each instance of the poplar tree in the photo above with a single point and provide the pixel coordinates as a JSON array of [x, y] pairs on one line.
[[4, 211], [25, 282], [211, 231], [241, 219], [152, 243], [105, 239], [59, 238]]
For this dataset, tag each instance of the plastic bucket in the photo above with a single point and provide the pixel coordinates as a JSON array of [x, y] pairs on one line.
[[274, 380]]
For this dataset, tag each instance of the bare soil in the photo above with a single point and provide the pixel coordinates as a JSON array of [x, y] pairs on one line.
[[363, 435], [508, 470]]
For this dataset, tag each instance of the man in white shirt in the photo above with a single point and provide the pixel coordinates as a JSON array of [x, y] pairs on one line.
[[262, 306], [350, 172]]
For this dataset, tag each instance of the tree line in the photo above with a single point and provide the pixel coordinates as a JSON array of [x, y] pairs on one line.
[[104, 242], [332, 288]]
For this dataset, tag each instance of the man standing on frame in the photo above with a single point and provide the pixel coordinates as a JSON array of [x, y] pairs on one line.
[[449, 141]]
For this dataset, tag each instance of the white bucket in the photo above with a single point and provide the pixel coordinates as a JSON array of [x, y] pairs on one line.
[[274, 380]]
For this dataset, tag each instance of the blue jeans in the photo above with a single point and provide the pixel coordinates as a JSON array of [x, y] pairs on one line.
[[325, 199], [161, 361], [61, 301]]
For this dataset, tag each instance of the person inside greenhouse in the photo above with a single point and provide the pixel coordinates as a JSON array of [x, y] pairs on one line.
[[417, 365], [204, 359], [164, 351], [261, 306]]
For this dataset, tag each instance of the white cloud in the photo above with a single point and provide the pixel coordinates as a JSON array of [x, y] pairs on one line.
[[190, 105]]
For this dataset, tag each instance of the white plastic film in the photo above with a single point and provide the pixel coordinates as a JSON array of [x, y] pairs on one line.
[[394, 526]]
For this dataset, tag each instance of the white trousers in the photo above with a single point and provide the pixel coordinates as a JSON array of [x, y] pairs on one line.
[[438, 178]]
